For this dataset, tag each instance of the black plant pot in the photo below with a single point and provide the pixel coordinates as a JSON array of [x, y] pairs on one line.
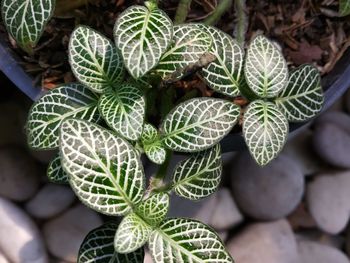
[[335, 84]]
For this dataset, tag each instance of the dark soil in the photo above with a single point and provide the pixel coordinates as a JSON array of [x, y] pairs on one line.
[[307, 31]]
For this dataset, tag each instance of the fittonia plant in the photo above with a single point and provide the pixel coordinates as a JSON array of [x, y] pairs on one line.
[[102, 128]]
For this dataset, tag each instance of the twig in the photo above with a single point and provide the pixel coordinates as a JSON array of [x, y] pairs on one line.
[[182, 11], [241, 25], [221, 9], [182, 73]]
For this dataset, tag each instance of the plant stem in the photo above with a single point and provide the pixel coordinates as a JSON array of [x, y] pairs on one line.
[[182, 11], [241, 25], [162, 171], [223, 6]]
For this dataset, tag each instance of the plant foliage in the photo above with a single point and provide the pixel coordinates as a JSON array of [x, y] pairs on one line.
[[104, 123]]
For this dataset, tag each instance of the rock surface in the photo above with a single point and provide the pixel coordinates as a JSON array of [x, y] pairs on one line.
[[65, 233], [300, 150], [50, 201], [220, 211], [20, 239], [328, 200], [272, 242], [19, 178], [3, 259], [312, 252], [332, 144], [267, 193]]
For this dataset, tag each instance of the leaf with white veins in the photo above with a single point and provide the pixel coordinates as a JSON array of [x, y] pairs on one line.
[[225, 73], [266, 70], [198, 124], [265, 130], [95, 60], [55, 171], [47, 114], [303, 97], [25, 20], [98, 247], [142, 35], [154, 209], [132, 234], [104, 170], [123, 109], [199, 176], [152, 145], [186, 240], [189, 44]]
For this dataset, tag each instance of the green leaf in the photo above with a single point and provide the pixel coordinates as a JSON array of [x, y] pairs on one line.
[[344, 7], [95, 61], [266, 70], [143, 36], [198, 124], [98, 247], [104, 170], [199, 176], [186, 240], [149, 134], [303, 98], [152, 145], [55, 171], [265, 130], [132, 234], [224, 74], [154, 209], [156, 153], [47, 114], [25, 20], [124, 110], [189, 44]]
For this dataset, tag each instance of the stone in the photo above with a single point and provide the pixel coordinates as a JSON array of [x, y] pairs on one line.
[[19, 178], [272, 242], [65, 233], [313, 252], [332, 144], [12, 116], [299, 149], [301, 218], [328, 201], [316, 235], [347, 242], [340, 119], [50, 201], [267, 193], [220, 211], [3, 259], [181, 207], [20, 239]]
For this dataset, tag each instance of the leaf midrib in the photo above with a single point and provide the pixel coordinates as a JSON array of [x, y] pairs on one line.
[[66, 115], [296, 96], [180, 248], [167, 135], [103, 166], [203, 171]]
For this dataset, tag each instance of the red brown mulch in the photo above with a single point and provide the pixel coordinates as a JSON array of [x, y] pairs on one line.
[[308, 31]]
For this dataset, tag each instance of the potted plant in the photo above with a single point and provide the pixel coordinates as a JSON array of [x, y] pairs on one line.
[[103, 123]]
